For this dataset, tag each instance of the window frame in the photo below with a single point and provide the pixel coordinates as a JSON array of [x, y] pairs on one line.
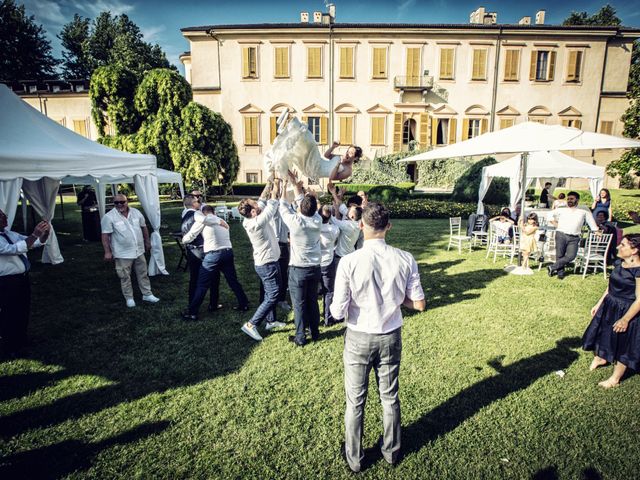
[[517, 51], [384, 75], [453, 63], [248, 141], [580, 52], [320, 62], [248, 74], [352, 67], [383, 139], [275, 62], [484, 75], [343, 139]]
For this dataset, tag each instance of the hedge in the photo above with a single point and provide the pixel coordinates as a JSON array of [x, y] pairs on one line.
[[365, 187], [425, 208]]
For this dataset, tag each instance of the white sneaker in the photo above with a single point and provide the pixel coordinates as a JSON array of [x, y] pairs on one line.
[[272, 325], [251, 331], [284, 306], [131, 302], [150, 298]]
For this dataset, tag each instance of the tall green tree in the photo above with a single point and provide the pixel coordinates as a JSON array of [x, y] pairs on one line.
[[111, 92], [110, 40], [74, 37], [606, 16], [25, 52]]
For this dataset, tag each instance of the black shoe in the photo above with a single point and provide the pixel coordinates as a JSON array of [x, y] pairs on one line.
[[292, 338], [241, 308], [541, 259], [551, 271], [213, 308], [561, 275], [189, 318]]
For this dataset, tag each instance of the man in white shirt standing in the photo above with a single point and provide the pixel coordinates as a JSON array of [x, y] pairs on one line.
[[568, 222], [304, 264], [15, 289], [347, 219], [371, 285], [125, 238], [258, 223], [329, 234]]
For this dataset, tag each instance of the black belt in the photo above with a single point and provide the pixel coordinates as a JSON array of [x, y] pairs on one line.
[[570, 234]]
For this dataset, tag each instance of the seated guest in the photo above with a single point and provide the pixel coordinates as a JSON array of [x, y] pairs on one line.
[[218, 257], [329, 234], [614, 334], [502, 225], [560, 202], [258, 224]]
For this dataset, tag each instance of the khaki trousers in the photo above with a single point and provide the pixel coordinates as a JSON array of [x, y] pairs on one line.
[[123, 269]]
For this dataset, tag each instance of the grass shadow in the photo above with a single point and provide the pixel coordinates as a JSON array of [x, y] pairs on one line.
[[512, 378], [72, 456]]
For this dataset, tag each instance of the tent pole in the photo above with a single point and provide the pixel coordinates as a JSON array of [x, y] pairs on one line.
[[523, 189]]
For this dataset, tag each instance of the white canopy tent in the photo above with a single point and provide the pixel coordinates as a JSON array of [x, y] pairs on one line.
[[163, 176], [547, 166], [37, 152], [525, 138]]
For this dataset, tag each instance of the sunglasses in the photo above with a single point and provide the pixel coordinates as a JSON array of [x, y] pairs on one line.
[[119, 202]]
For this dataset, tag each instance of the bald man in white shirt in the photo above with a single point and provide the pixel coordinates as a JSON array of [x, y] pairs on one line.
[[371, 285]]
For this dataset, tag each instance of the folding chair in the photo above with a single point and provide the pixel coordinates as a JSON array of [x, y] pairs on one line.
[[177, 236], [222, 211], [455, 238], [595, 253]]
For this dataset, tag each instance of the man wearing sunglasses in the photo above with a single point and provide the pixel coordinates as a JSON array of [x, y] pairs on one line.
[[125, 238]]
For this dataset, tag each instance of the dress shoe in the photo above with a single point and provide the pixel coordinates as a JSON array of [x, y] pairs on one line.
[[292, 338], [213, 308], [241, 308], [187, 317], [551, 271], [561, 275]]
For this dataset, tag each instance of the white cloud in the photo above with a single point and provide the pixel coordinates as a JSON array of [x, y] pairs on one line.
[[94, 8], [403, 7], [47, 12], [152, 34]]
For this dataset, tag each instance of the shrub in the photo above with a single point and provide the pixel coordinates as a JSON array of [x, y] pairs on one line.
[[383, 170], [387, 193], [425, 208], [354, 188], [626, 182], [248, 189], [442, 173], [466, 188]]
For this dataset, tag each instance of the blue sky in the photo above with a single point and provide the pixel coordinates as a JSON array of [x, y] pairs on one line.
[[161, 20]]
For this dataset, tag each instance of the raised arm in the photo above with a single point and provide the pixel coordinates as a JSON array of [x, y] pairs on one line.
[[330, 150]]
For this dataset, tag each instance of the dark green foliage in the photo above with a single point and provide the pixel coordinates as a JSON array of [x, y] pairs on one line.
[[354, 188], [606, 16], [25, 52], [74, 37], [388, 193], [442, 173], [382, 171], [466, 188], [626, 182], [111, 91]]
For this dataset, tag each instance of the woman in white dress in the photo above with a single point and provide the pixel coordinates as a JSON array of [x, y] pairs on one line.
[[296, 147]]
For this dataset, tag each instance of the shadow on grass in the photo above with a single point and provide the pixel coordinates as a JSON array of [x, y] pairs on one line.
[[61, 459], [551, 473], [442, 289], [17, 386], [512, 378]]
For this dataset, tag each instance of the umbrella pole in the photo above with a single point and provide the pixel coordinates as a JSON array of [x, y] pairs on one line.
[[523, 183]]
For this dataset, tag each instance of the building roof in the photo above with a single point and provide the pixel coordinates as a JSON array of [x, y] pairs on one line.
[[437, 26]]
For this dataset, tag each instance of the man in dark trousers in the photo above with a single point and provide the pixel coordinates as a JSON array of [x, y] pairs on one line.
[[195, 252], [15, 289]]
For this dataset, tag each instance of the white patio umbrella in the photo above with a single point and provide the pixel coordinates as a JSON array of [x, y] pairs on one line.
[[525, 138]]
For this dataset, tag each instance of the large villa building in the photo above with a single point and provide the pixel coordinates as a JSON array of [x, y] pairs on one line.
[[387, 87]]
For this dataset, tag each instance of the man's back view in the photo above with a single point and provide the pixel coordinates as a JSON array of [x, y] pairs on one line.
[[371, 285]]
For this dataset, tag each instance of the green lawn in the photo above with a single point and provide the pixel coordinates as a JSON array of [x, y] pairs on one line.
[[108, 392]]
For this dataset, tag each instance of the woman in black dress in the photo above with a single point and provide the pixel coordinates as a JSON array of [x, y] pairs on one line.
[[614, 333]]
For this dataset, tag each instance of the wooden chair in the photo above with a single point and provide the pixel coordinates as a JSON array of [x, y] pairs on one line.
[[455, 238]]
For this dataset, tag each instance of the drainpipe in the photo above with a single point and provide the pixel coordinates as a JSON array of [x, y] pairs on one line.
[[604, 67], [218, 41], [496, 72]]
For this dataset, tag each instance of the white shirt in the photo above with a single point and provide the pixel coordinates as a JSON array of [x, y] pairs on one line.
[[372, 283], [571, 219], [328, 236], [349, 233], [126, 233], [10, 263], [304, 235], [262, 236], [214, 236]]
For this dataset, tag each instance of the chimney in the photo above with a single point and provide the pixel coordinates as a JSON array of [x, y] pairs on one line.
[[317, 17], [540, 17], [332, 12], [304, 17], [525, 21]]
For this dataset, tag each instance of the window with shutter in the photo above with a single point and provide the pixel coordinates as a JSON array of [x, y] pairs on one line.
[[446, 63], [377, 130], [80, 127], [346, 62], [574, 65], [413, 66], [282, 62], [346, 130], [379, 62], [424, 130], [606, 127], [313, 124], [249, 62], [506, 123], [273, 128], [251, 130], [314, 62], [452, 130], [479, 70], [397, 131], [511, 65]]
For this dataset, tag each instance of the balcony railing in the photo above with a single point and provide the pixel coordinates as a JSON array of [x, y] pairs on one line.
[[418, 82]]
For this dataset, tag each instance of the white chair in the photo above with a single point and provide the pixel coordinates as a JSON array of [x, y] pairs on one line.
[[498, 248], [455, 238], [515, 242], [595, 253], [235, 213], [222, 211], [548, 248], [478, 234]]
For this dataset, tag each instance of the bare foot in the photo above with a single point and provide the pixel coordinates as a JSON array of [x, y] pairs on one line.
[[608, 383], [597, 362]]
